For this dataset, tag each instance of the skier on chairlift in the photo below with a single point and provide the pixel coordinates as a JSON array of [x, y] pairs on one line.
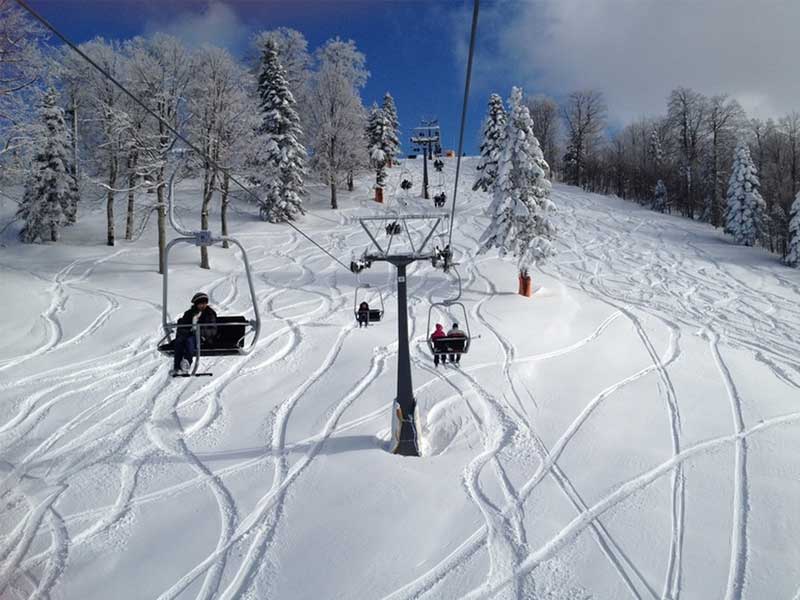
[[439, 349], [185, 336], [363, 315], [456, 346]]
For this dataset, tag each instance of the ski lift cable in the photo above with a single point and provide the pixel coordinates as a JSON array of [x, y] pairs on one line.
[[63, 38], [475, 6]]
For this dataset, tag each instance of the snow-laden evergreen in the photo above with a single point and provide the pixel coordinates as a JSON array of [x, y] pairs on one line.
[[745, 211], [283, 155], [393, 135], [660, 197], [379, 142], [51, 194], [521, 210], [655, 150], [494, 130], [793, 254]]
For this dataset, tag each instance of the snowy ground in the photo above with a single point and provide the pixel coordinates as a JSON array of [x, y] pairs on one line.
[[633, 430]]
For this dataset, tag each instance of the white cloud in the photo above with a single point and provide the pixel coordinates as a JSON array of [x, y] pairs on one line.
[[636, 51], [217, 24]]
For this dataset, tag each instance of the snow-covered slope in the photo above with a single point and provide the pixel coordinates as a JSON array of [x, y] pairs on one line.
[[633, 430]]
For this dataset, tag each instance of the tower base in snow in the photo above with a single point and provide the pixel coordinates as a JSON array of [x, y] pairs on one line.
[[404, 431]]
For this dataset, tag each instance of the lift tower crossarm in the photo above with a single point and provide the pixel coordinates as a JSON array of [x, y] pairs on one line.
[[404, 409]]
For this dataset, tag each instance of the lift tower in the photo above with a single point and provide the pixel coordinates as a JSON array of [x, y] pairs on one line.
[[427, 139], [404, 410]]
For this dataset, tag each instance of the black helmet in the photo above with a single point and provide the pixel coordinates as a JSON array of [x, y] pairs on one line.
[[199, 297]]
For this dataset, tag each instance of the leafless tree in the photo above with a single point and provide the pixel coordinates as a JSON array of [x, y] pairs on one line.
[[687, 112], [161, 70], [546, 126], [584, 115], [724, 121]]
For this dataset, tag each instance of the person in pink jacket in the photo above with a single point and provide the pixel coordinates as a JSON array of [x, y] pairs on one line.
[[439, 349]]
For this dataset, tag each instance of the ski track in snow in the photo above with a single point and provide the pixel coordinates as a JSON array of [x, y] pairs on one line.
[[137, 412]]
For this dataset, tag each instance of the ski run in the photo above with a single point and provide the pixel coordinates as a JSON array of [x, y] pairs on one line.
[[632, 430]]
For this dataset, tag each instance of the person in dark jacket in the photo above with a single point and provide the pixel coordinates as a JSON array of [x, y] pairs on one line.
[[200, 315], [363, 315], [456, 344]]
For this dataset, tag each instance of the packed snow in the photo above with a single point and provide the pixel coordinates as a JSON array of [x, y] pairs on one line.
[[630, 431]]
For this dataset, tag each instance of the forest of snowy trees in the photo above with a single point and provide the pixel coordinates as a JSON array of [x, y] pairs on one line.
[[685, 161], [281, 118], [286, 116]]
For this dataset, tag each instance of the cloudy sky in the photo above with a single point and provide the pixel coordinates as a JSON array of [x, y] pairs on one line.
[[634, 51]]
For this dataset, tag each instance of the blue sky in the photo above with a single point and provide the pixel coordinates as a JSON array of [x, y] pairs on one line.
[[414, 49], [633, 51]]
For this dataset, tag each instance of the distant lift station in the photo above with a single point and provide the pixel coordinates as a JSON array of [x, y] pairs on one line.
[[427, 139]]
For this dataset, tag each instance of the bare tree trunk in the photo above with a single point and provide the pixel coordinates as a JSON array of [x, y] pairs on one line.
[[715, 203], [75, 168], [224, 209], [334, 204], [350, 183], [132, 161], [112, 181], [162, 221], [208, 191]]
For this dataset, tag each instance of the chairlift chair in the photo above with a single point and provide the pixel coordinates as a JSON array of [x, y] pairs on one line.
[[457, 313], [449, 344], [231, 330], [375, 314]]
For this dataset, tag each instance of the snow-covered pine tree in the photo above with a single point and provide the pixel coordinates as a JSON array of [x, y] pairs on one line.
[[378, 128], [51, 194], [745, 211], [521, 208], [655, 150], [393, 135], [494, 130], [793, 254], [660, 197], [284, 156]]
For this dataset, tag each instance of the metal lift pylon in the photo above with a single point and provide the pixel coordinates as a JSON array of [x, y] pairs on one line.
[[405, 415]]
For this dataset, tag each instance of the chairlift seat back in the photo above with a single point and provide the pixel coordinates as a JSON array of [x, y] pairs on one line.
[[451, 345], [228, 341], [374, 315]]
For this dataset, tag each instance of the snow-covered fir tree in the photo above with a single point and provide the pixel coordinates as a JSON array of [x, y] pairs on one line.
[[379, 146], [655, 149], [393, 135], [660, 197], [51, 194], [494, 130], [793, 254], [521, 208], [283, 156], [745, 213]]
